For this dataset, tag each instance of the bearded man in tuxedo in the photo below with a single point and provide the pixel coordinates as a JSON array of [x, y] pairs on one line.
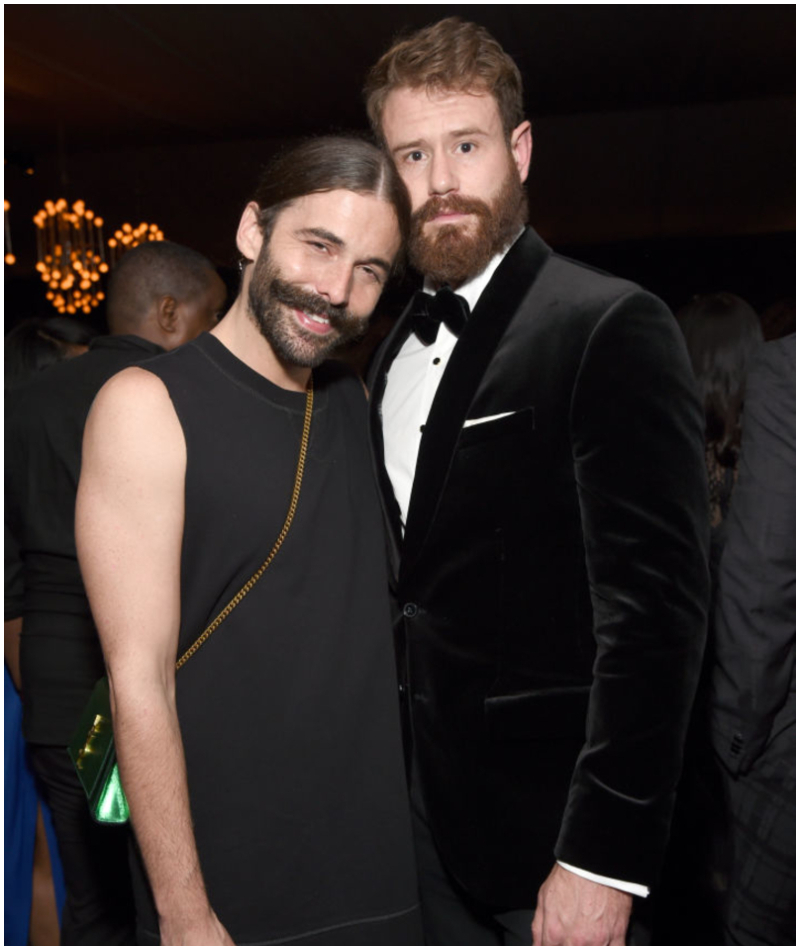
[[539, 445]]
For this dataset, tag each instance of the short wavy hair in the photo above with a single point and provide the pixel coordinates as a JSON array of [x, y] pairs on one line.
[[450, 56]]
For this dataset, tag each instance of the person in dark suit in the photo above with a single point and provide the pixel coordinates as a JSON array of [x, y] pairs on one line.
[[539, 447], [753, 716]]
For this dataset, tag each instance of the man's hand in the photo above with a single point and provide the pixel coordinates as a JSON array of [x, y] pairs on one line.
[[202, 931], [575, 912]]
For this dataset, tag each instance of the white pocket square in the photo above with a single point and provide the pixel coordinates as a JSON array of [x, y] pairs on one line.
[[477, 422]]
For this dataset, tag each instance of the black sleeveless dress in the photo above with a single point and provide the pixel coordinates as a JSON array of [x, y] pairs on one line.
[[289, 712]]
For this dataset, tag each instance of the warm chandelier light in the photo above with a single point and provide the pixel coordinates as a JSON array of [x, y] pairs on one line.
[[71, 258], [128, 236], [9, 253]]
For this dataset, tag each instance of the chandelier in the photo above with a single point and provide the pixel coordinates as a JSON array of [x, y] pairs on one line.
[[9, 252], [71, 258], [128, 237]]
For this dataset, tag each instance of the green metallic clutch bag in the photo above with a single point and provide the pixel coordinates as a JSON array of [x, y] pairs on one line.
[[92, 752]]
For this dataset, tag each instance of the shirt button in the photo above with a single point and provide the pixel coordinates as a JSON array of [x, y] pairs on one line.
[[410, 610], [436, 361]]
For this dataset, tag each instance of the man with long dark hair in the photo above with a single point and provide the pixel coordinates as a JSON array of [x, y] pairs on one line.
[[540, 450], [265, 779]]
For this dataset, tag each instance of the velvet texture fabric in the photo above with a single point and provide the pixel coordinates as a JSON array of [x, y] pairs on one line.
[[551, 588]]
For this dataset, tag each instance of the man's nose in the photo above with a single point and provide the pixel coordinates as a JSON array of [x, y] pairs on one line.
[[334, 283], [442, 178]]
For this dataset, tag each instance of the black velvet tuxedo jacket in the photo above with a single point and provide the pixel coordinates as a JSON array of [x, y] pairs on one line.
[[551, 587]]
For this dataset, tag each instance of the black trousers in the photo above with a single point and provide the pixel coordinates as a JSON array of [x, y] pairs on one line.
[[395, 930], [450, 917], [99, 903]]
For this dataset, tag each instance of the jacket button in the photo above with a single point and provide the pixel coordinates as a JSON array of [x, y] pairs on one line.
[[410, 610], [402, 689]]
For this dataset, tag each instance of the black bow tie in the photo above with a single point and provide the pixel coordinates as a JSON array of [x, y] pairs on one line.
[[429, 311]]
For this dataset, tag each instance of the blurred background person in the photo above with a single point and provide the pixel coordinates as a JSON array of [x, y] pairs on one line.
[[160, 296], [33, 881], [722, 331], [37, 343], [753, 714]]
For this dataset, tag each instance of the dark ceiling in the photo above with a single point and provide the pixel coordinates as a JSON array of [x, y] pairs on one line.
[[664, 134], [151, 74]]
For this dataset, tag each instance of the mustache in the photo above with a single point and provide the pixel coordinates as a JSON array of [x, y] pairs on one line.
[[454, 204], [292, 296]]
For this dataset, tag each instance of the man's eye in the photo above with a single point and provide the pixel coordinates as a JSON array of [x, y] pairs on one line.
[[466, 147], [318, 245], [415, 156], [371, 274]]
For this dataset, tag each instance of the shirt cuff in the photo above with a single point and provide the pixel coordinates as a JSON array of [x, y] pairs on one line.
[[639, 890]]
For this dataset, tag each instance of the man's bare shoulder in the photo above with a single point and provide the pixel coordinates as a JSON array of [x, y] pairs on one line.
[[133, 398], [134, 419], [132, 388]]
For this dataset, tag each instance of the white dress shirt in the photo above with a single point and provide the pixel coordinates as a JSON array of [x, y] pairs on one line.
[[411, 385]]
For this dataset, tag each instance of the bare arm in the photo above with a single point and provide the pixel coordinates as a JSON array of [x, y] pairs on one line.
[[129, 525]]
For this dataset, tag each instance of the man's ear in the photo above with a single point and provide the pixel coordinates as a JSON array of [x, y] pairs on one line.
[[249, 237], [521, 148], [167, 314]]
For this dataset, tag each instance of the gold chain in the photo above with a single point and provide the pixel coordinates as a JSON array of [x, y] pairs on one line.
[[298, 478]]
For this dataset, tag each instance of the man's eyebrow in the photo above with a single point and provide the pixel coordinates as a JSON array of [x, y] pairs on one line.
[[321, 233], [471, 130], [334, 239]]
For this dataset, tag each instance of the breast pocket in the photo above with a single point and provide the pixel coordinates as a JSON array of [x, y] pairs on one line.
[[476, 431]]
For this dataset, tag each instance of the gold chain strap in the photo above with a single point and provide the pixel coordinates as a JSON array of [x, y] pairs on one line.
[[298, 478]]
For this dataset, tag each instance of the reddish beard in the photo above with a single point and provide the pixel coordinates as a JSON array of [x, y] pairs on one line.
[[452, 253]]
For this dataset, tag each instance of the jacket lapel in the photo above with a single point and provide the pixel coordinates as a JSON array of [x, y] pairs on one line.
[[477, 344]]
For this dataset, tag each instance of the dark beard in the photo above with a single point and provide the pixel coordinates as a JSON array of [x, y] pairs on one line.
[[272, 300], [454, 253]]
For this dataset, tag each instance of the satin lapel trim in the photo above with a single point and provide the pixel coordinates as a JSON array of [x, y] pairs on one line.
[[377, 386], [477, 344]]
